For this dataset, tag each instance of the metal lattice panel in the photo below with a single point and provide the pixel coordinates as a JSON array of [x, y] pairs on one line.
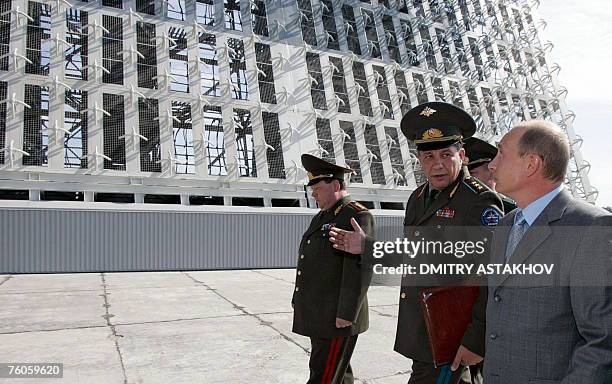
[[76, 52], [75, 125], [38, 46], [331, 40], [351, 153], [265, 73], [112, 46], [273, 145], [113, 126], [374, 158], [96, 86], [150, 150], [259, 17], [339, 84], [184, 155], [5, 33], [307, 22], [244, 143], [147, 55], [215, 141], [3, 117], [325, 143], [35, 123], [317, 86], [179, 60], [361, 81]]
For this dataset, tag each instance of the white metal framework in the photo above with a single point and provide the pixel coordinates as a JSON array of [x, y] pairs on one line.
[[213, 101]]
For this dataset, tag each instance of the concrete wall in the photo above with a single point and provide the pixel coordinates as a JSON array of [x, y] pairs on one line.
[[43, 238]]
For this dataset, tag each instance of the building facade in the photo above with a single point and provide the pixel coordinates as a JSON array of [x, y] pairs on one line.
[[211, 102]]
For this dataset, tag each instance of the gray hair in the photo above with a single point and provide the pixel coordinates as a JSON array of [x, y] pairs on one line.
[[546, 140]]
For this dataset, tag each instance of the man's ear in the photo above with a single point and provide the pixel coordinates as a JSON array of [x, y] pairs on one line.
[[336, 185], [534, 164], [462, 155]]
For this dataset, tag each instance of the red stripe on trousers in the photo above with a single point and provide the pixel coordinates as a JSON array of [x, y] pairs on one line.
[[329, 364], [336, 349]]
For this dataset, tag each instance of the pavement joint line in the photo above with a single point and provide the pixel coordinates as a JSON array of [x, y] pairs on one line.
[[261, 321], [116, 336], [177, 320], [6, 278], [128, 324], [89, 290], [273, 313], [62, 291], [273, 277], [398, 373], [383, 305], [53, 329], [382, 313], [119, 288]]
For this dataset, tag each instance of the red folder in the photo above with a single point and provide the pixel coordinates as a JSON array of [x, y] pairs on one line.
[[447, 311]]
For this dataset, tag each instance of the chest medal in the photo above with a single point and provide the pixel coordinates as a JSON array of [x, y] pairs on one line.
[[445, 212]]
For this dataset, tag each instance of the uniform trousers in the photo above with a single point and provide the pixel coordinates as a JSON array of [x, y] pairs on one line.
[[330, 360]]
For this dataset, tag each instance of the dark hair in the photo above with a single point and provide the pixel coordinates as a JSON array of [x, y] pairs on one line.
[[342, 183], [546, 140], [457, 145]]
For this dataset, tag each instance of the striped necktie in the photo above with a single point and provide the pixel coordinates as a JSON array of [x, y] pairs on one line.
[[516, 233]]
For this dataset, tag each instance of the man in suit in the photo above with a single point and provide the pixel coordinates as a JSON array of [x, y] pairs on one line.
[[330, 296], [479, 154], [450, 198], [557, 327]]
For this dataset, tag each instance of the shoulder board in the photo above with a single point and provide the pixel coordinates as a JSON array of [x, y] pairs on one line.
[[422, 187], [357, 206], [475, 185], [506, 198]]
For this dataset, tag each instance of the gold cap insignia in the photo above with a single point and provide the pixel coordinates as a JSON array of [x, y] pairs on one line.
[[432, 133], [427, 112], [311, 176]]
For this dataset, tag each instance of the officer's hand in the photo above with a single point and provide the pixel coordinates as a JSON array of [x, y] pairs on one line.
[[465, 357], [341, 323], [348, 241]]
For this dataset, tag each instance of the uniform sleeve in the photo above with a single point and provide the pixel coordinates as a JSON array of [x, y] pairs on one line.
[[484, 212], [356, 273]]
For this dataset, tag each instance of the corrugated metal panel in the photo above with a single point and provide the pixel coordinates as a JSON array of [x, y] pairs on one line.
[[46, 240]]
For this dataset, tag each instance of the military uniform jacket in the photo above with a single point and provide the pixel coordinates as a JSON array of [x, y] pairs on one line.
[[466, 205], [509, 204], [329, 283]]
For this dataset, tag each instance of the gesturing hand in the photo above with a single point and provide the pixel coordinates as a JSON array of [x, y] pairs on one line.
[[341, 323], [348, 241]]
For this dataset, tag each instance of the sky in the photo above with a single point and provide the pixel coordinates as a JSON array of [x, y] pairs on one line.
[[581, 32]]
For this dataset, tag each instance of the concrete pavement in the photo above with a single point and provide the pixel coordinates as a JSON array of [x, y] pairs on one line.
[[210, 327]]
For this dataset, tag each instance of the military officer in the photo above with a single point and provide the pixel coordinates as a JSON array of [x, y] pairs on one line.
[[479, 154], [450, 198], [330, 295]]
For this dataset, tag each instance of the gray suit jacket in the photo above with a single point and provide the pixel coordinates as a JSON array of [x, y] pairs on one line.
[[553, 328]]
